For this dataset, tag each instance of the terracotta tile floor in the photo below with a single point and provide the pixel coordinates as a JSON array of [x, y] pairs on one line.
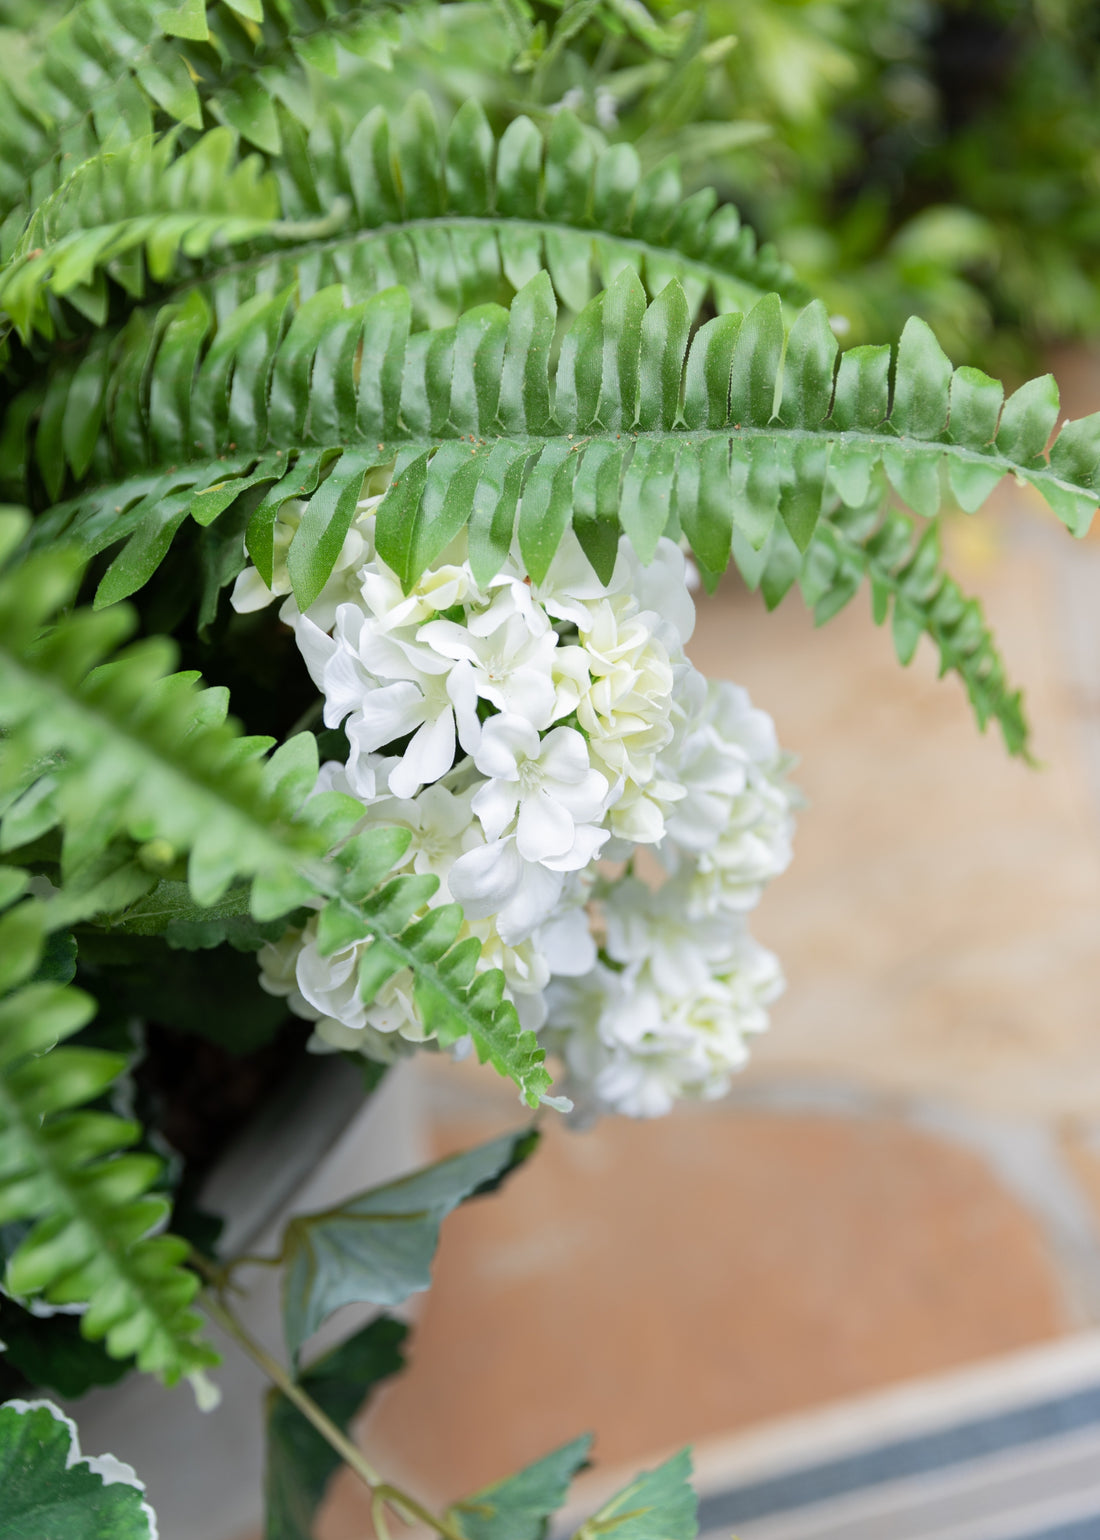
[[668, 1282], [663, 1284]]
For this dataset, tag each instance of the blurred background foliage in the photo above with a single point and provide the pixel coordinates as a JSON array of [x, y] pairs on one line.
[[940, 157], [937, 157]]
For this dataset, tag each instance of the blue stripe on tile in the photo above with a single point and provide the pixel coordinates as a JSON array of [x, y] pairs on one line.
[[1080, 1529], [909, 1457]]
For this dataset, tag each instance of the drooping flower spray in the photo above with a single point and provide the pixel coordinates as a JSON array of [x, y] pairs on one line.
[[533, 737]]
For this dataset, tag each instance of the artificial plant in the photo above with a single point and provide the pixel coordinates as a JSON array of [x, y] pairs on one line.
[[242, 303]]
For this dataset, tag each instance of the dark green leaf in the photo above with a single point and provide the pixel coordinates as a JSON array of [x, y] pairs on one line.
[[518, 1507], [51, 1490], [377, 1248]]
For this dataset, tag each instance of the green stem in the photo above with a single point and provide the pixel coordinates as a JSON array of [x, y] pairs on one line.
[[382, 1491], [279, 1376], [378, 1517], [250, 1259]]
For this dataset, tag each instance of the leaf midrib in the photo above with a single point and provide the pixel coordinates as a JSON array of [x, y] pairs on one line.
[[120, 728], [231, 468], [697, 265]]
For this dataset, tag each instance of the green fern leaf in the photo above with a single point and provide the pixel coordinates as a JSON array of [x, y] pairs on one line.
[[64, 1170], [110, 71], [144, 202], [141, 753], [738, 432], [903, 566], [461, 218]]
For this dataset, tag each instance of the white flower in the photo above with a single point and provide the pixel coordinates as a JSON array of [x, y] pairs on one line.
[[662, 589], [325, 990], [546, 785], [755, 848], [389, 688], [513, 826], [566, 941], [510, 653], [495, 880], [736, 819], [654, 928], [440, 588], [627, 711], [442, 825], [571, 586], [250, 592], [631, 1047], [524, 965], [711, 768]]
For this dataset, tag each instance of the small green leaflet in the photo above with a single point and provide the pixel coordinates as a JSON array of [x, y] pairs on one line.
[[50, 1491], [657, 1505], [299, 1461], [518, 1507], [377, 1248]]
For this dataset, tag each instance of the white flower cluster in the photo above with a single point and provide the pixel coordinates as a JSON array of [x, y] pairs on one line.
[[532, 737]]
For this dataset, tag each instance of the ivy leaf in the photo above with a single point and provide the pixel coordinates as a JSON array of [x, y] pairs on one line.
[[657, 1505], [517, 1508], [377, 1248], [300, 1462], [50, 1489]]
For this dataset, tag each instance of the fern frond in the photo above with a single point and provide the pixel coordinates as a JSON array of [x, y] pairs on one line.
[[902, 564], [133, 213], [143, 753], [633, 428], [461, 218], [115, 70], [64, 1170]]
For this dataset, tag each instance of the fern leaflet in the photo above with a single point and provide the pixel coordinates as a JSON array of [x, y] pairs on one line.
[[63, 1168]]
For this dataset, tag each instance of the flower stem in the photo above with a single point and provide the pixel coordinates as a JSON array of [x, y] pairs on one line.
[[305, 1403], [382, 1491]]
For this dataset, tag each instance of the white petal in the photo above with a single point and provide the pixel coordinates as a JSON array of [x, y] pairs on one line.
[[462, 692], [504, 741], [587, 844], [495, 805], [544, 829], [564, 755], [316, 648], [662, 587], [344, 685], [430, 755], [586, 800], [448, 639], [538, 890], [567, 944], [250, 592], [528, 693], [388, 712], [486, 878]]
